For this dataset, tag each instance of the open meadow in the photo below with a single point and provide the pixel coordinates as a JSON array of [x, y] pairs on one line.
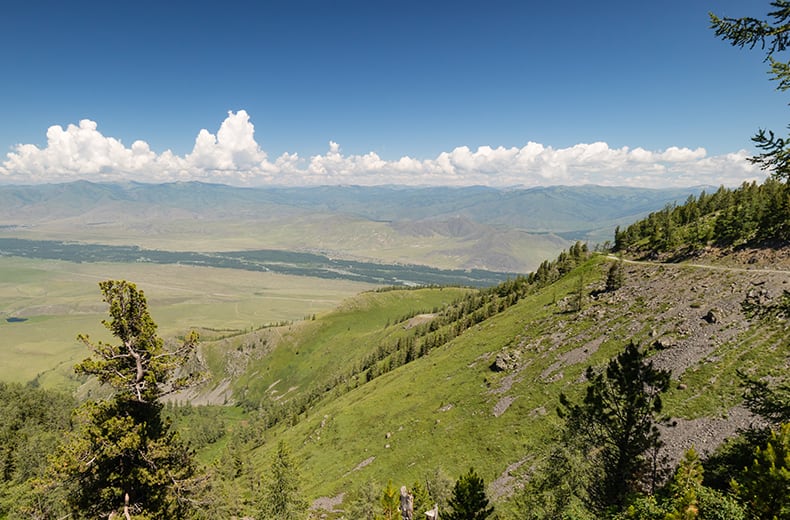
[[45, 304]]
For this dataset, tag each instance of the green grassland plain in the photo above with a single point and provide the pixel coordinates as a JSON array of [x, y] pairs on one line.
[[59, 300]]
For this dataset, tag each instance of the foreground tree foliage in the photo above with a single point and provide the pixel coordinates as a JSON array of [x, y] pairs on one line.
[[364, 502], [765, 485], [123, 458], [390, 502], [422, 499], [469, 501], [616, 426], [771, 402], [559, 488], [773, 37], [685, 498]]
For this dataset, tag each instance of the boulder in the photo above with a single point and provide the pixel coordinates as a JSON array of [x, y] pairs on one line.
[[506, 360]]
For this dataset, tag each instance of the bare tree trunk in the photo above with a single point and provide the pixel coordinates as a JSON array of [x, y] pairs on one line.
[[406, 504], [126, 507]]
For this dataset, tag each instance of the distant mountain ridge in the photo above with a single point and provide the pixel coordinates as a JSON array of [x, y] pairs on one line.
[[389, 203], [455, 227]]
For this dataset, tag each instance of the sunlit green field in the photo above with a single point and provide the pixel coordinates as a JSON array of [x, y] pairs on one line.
[[59, 300]]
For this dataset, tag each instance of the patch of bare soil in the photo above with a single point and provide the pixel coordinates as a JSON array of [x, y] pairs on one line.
[[328, 504], [220, 394], [704, 434], [361, 465], [418, 320], [506, 482], [754, 257], [503, 404], [694, 309]]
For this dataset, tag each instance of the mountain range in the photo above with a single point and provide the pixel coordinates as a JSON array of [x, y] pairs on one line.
[[467, 228]]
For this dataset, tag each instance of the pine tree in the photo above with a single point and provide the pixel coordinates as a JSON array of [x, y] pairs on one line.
[[577, 297], [558, 487], [422, 499], [685, 487], [617, 423], [615, 277], [440, 488], [282, 498], [771, 402], [765, 486], [390, 502], [123, 457], [364, 502], [468, 501]]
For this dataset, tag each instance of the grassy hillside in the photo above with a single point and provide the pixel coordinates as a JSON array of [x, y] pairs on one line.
[[451, 409], [321, 353]]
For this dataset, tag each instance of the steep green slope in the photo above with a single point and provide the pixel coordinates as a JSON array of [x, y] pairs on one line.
[[314, 355], [487, 398], [440, 411]]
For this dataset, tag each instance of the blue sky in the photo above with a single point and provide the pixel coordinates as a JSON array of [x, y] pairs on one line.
[[375, 92]]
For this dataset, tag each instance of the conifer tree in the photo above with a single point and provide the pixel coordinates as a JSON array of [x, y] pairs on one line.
[[364, 502], [390, 502], [617, 423], [282, 498], [765, 486], [123, 458], [615, 277], [422, 499], [440, 488], [771, 402], [469, 501], [558, 487], [685, 487]]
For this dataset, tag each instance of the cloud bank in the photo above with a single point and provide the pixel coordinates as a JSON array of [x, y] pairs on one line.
[[232, 156]]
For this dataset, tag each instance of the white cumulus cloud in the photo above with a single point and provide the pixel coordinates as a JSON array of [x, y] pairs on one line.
[[232, 156]]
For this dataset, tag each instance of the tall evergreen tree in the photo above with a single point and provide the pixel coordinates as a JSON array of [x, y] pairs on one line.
[[469, 501], [282, 498], [615, 277], [123, 458], [617, 421]]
